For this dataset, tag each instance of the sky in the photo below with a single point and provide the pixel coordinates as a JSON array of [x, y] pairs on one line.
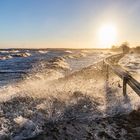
[[66, 23]]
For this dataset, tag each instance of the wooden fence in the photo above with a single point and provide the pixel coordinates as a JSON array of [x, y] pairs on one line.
[[112, 63]]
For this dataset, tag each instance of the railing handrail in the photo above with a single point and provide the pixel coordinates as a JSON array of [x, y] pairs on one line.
[[123, 74]]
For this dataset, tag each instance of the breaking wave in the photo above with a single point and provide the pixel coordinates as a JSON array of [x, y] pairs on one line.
[[131, 62]]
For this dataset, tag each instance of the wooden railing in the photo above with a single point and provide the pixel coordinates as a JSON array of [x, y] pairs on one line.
[[112, 63]]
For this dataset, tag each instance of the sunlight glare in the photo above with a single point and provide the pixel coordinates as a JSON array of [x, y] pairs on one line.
[[107, 35]]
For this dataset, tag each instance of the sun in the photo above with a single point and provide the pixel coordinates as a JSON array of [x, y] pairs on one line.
[[107, 35]]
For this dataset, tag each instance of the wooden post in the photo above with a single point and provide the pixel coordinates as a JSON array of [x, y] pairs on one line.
[[103, 65], [107, 72], [124, 85]]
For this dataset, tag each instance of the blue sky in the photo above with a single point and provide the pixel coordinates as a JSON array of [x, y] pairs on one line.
[[66, 23]]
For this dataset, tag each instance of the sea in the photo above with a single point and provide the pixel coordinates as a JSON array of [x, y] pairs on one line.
[[16, 64], [49, 94]]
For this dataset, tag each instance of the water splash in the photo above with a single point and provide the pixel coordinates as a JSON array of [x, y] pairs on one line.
[[53, 95]]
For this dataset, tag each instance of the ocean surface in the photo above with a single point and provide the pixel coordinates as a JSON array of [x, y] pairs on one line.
[[65, 94], [17, 64]]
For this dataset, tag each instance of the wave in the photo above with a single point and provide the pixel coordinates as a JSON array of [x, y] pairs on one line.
[[43, 52], [76, 55], [5, 57], [55, 64], [59, 62], [15, 54], [68, 51], [25, 54], [131, 62]]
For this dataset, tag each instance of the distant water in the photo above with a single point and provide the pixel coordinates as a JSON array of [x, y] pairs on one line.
[[14, 68]]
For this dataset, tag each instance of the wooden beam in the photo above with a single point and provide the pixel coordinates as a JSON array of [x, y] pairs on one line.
[[124, 85]]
